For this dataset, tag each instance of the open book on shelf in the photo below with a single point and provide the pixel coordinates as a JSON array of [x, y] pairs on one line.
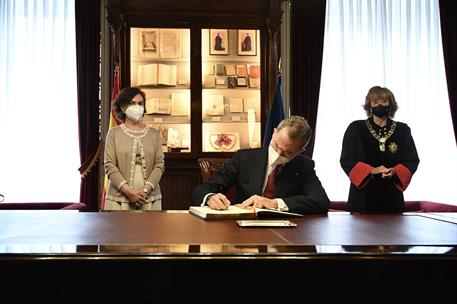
[[237, 213], [157, 74]]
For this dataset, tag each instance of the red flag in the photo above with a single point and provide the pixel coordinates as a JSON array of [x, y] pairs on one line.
[[113, 121]]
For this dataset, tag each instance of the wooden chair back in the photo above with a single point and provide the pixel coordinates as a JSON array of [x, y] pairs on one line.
[[210, 165]]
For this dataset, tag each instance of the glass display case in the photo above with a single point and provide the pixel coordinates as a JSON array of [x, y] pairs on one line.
[[160, 66], [208, 69], [231, 81], [231, 98]]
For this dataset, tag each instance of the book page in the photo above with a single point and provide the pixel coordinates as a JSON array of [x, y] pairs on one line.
[[166, 74], [236, 105], [250, 103], [266, 213], [147, 74], [209, 81], [180, 106], [158, 106], [232, 212], [170, 43], [215, 105]]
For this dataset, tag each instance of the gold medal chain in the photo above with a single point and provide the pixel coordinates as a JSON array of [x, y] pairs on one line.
[[381, 140]]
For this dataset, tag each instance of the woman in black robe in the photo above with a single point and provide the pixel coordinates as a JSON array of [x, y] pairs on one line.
[[379, 156]]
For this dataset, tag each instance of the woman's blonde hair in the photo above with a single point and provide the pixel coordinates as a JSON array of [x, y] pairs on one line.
[[378, 92]]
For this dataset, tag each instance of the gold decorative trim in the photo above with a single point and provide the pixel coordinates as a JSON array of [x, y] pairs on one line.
[[381, 140]]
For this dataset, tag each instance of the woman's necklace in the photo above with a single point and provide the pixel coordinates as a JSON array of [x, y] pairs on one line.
[[125, 128], [382, 140]]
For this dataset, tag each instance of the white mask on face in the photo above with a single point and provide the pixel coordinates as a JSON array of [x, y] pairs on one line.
[[135, 112], [274, 158]]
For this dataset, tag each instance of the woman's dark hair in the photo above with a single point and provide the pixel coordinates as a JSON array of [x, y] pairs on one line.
[[378, 92], [124, 98]]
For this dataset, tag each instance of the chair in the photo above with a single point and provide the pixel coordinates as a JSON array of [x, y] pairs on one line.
[[210, 165]]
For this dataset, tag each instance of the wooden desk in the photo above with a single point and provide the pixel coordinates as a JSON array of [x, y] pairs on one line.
[[174, 257]]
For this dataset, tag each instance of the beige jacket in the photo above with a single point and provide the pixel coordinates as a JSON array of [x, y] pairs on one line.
[[120, 155]]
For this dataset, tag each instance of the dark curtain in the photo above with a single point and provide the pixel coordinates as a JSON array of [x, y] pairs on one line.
[[307, 43], [87, 15], [448, 15]]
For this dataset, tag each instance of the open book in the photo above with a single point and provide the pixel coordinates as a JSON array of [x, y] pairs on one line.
[[237, 213], [157, 74]]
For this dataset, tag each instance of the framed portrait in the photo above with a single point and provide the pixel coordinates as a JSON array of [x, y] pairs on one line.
[[148, 43], [218, 42], [247, 42]]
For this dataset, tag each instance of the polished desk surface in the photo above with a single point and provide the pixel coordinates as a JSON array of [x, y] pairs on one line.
[[174, 257], [168, 232]]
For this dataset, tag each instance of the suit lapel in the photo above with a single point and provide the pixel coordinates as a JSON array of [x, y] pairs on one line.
[[257, 167]]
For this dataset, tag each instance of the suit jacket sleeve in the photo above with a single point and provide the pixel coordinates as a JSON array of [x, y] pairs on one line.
[[303, 190]]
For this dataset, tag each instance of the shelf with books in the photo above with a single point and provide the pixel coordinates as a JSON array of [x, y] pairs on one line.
[[160, 66], [231, 97], [230, 120]]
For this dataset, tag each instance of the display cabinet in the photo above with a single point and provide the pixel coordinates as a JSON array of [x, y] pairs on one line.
[[209, 73], [160, 65], [231, 96]]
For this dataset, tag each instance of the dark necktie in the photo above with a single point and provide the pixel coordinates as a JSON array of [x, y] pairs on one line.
[[270, 187]]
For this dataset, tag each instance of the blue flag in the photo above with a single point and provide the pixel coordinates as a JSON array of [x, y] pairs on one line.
[[276, 114]]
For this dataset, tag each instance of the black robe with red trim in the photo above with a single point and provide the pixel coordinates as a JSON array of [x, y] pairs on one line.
[[360, 154]]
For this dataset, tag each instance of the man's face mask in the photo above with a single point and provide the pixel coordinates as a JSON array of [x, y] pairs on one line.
[[275, 158]]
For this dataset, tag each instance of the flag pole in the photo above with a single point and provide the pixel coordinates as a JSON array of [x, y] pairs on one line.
[[276, 114]]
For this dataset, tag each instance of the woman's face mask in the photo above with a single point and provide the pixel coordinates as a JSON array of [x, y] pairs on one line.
[[380, 111], [135, 112]]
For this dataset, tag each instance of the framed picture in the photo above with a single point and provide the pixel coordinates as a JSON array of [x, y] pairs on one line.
[[218, 42], [148, 43], [247, 42]]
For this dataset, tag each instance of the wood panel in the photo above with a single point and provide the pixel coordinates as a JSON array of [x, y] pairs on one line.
[[177, 183]]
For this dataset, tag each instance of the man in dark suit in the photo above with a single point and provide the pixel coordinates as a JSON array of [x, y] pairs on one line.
[[278, 177]]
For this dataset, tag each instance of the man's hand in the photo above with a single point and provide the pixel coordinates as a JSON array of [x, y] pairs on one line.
[[257, 201], [218, 201]]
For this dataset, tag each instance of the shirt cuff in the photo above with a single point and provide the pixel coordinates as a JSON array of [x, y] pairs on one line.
[[121, 184], [150, 184], [205, 198]]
